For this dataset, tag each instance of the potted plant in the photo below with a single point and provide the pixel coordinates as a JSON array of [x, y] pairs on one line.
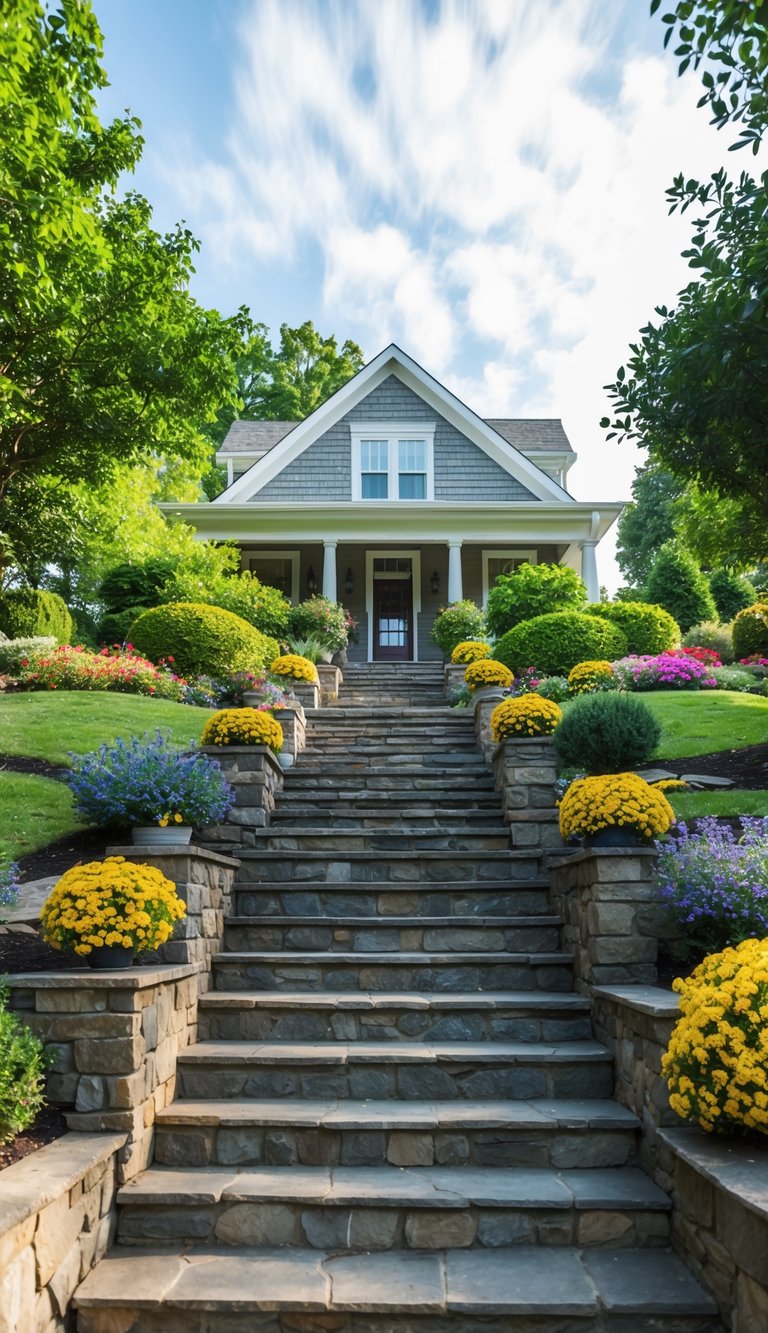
[[524, 715], [302, 675], [158, 791], [614, 810], [243, 726], [487, 675], [107, 911]]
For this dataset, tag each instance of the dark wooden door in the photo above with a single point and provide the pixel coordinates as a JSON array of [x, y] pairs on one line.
[[392, 620]]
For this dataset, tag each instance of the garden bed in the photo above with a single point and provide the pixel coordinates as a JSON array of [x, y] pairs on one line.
[[49, 1125]]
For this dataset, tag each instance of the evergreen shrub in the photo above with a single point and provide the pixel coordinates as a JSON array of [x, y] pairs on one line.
[[677, 583], [27, 613], [555, 643], [129, 585], [22, 1066], [202, 640], [532, 590], [607, 733], [710, 634], [455, 623], [242, 594], [647, 628], [750, 631], [732, 592]]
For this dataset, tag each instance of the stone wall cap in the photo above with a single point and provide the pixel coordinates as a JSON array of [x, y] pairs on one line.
[[29, 1185], [584, 853], [127, 978], [163, 849], [653, 1000], [739, 1169]]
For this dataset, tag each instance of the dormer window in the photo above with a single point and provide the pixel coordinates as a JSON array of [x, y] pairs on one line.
[[393, 461]]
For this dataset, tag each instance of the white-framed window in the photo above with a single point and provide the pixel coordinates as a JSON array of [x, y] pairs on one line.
[[393, 461], [278, 569], [503, 562]]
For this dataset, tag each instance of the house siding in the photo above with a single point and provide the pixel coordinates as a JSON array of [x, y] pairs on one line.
[[463, 472]]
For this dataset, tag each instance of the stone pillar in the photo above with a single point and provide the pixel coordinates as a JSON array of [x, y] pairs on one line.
[[329, 570], [525, 771], [255, 774], [485, 700], [307, 693], [453, 676], [455, 585], [589, 570], [330, 680], [291, 720]]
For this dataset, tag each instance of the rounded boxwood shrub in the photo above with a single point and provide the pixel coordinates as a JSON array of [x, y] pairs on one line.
[[710, 634], [750, 632], [533, 590], [455, 623], [732, 592], [607, 733], [202, 640], [648, 628], [27, 613], [115, 626], [555, 643], [22, 1066]]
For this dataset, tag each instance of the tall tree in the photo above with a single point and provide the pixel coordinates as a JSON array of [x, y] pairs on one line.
[[646, 523]]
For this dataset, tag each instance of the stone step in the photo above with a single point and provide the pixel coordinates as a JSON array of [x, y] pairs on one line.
[[331, 803], [335, 842], [382, 1016], [382, 901], [421, 972], [338, 778], [557, 1133], [162, 1290], [407, 1070], [343, 934], [375, 1208], [396, 867], [445, 757], [386, 814], [394, 698]]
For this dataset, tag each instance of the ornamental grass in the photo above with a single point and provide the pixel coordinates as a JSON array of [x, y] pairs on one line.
[[298, 668], [716, 1065], [111, 903], [614, 800], [243, 726], [586, 677], [488, 672], [526, 715], [470, 650]]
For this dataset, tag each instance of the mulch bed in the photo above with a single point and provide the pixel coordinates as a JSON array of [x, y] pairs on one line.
[[24, 951], [49, 1125], [39, 768], [747, 767], [88, 845]]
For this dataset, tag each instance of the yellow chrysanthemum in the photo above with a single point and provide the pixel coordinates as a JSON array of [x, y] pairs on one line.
[[587, 676], [243, 726], [615, 800], [471, 650], [527, 715], [298, 668], [111, 902], [488, 672]]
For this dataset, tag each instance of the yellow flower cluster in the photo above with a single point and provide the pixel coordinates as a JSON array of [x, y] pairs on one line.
[[616, 800], [298, 668], [717, 1062], [527, 715], [586, 675], [170, 818], [670, 784], [471, 650], [111, 902], [488, 672], [243, 726]]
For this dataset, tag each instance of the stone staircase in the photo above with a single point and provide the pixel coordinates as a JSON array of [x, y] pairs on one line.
[[395, 1119]]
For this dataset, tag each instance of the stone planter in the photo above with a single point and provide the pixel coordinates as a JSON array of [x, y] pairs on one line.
[[256, 775], [330, 680], [453, 677], [524, 770], [484, 701], [152, 835], [308, 695], [286, 760]]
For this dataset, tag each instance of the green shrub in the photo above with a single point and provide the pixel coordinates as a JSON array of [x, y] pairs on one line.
[[737, 678], [710, 634], [554, 688], [532, 590], [606, 733], [555, 643], [648, 629], [115, 626], [128, 586], [750, 631], [27, 613], [15, 651], [319, 618], [242, 594], [677, 583], [22, 1065], [202, 640], [732, 593], [455, 623]]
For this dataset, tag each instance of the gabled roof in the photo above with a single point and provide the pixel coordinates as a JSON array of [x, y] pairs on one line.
[[254, 437], [531, 434], [392, 361]]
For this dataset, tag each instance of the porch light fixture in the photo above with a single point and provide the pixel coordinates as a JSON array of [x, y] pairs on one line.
[[434, 582], [311, 580], [349, 582]]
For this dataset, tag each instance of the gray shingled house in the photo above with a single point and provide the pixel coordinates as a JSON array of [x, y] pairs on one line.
[[395, 498]]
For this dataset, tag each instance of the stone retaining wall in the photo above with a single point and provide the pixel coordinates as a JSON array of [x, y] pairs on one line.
[[255, 774], [57, 1220], [331, 681], [292, 720], [524, 770]]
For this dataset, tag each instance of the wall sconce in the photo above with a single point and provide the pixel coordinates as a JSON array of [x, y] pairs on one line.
[[311, 580], [434, 582], [349, 582]]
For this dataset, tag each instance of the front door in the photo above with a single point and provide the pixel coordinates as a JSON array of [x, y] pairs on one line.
[[393, 619]]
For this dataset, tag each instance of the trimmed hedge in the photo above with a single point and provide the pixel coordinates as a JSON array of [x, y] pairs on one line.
[[30, 613], [115, 626], [555, 643], [533, 590], [750, 631], [647, 627], [607, 733], [203, 640]]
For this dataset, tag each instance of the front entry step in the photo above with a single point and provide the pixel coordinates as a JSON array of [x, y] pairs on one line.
[[310, 971], [517, 1290], [344, 934]]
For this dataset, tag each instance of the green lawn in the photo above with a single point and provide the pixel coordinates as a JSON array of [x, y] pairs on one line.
[[692, 804], [33, 812], [46, 726], [700, 722]]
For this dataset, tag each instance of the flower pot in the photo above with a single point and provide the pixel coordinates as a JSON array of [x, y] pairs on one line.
[[110, 957], [285, 759], [614, 836], [339, 659], [152, 835]]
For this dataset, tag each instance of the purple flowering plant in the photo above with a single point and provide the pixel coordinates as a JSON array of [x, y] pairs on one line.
[[142, 780], [9, 885], [667, 671], [715, 884]]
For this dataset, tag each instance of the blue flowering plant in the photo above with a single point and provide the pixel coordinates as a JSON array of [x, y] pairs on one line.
[[9, 886], [715, 884], [149, 781]]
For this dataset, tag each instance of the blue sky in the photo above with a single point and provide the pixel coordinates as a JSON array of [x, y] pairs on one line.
[[481, 181]]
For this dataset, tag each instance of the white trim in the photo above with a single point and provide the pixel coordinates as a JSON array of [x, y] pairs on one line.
[[415, 559], [293, 556], [490, 554], [393, 361], [392, 432]]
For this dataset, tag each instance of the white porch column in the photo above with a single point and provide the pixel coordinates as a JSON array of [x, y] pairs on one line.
[[589, 570], [455, 586], [329, 570]]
